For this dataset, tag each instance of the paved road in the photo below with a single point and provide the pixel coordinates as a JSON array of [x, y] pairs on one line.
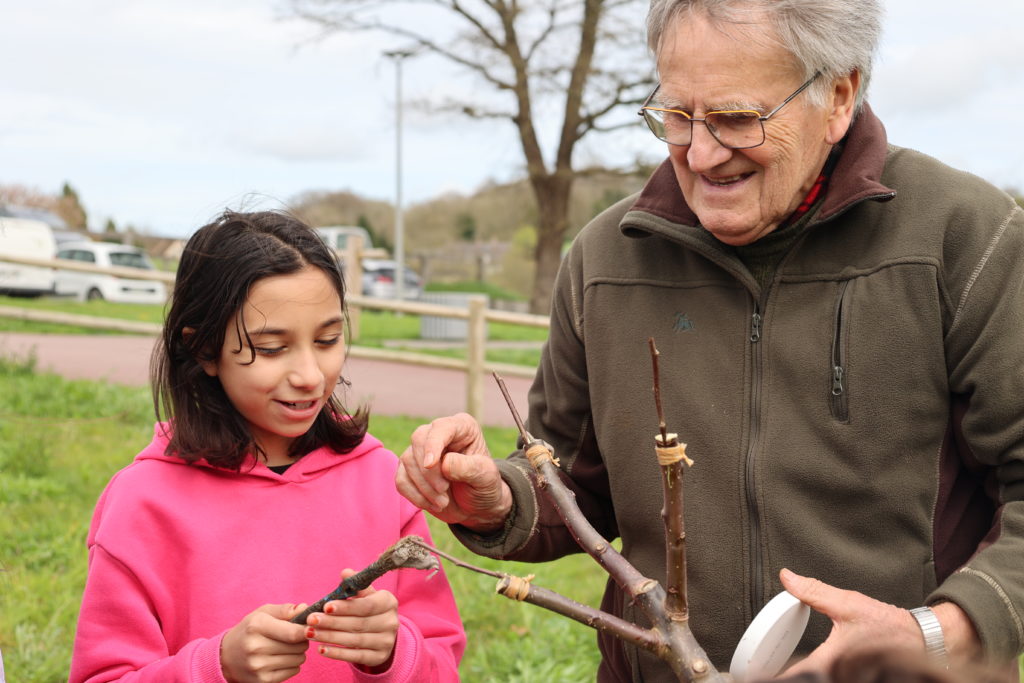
[[391, 388]]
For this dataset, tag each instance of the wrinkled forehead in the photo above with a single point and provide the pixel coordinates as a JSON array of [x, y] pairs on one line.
[[712, 64]]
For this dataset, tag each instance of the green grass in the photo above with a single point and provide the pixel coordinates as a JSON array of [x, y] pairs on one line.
[[475, 287], [61, 440], [147, 313]]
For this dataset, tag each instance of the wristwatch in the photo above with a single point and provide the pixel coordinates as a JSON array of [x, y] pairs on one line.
[[931, 629]]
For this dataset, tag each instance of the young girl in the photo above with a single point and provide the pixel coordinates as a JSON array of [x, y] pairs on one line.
[[256, 492]]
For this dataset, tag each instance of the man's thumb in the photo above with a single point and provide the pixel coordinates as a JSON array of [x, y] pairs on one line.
[[812, 592], [461, 467]]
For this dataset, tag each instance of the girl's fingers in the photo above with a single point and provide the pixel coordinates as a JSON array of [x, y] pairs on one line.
[[368, 622]]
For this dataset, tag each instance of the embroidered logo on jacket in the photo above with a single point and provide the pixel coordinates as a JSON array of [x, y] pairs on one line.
[[683, 323]]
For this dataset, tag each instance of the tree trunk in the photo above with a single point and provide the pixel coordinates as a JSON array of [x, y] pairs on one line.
[[552, 193]]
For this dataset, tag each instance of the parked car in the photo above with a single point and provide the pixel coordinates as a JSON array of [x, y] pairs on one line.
[[25, 237], [90, 286], [379, 280]]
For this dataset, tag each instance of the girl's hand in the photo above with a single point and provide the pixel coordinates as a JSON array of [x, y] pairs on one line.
[[264, 647], [361, 630]]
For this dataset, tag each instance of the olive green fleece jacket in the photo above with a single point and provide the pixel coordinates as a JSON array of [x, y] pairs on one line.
[[860, 420]]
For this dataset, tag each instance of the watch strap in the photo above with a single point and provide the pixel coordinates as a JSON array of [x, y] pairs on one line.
[[931, 629]]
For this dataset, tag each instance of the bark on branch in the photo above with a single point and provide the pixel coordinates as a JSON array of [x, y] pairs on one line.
[[408, 553]]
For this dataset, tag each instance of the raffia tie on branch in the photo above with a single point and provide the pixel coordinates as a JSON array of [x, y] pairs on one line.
[[540, 452], [669, 455], [515, 587]]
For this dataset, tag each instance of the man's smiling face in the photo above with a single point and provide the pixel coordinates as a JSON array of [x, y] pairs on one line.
[[741, 195]]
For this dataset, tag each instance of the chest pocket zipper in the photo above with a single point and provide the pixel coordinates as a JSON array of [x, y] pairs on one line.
[[839, 375]]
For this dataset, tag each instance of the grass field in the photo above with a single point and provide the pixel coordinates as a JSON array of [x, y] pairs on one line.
[[61, 440]]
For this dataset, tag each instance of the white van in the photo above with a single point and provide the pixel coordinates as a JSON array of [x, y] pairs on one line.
[[31, 238], [92, 286]]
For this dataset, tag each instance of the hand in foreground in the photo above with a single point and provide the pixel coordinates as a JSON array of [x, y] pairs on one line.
[[361, 630], [264, 647], [860, 622], [448, 471]]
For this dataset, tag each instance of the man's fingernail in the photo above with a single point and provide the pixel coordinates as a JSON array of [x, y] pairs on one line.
[[429, 459]]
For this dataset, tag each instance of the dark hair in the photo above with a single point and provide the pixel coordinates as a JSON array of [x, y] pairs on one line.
[[220, 264]]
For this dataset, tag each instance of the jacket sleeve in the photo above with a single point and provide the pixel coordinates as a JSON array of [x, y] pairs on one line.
[[985, 370], [119, 638], [431, 639], [559, 414]]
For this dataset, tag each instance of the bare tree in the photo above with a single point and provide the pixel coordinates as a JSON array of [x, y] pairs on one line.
[[587, 55]]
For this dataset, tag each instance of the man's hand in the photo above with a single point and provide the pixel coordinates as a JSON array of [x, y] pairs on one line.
[[264, 647], [860, 622], [448, 471]]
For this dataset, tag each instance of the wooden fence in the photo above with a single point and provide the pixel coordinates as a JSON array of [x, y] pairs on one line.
[[476, 314]]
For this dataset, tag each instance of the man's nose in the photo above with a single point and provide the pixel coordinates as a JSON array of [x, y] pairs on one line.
[[705, 150]]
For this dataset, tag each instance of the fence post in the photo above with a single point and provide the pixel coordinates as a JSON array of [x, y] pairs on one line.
[[352, 270], [354, 316], [476, 345]]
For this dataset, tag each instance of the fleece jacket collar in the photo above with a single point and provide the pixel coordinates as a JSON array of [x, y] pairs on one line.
[[857, 177]]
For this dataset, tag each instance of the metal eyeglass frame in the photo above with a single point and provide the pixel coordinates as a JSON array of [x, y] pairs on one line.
[[689, 117]]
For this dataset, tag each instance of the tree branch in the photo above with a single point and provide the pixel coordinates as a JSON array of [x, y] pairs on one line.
[[407, 553]]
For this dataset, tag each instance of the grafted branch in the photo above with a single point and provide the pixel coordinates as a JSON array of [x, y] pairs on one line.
[[670, 636]]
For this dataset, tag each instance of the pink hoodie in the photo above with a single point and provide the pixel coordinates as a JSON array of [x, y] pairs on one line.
[[179, 553]]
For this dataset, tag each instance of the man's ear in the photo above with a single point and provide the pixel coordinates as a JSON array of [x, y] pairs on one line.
[[208, 366], [843, 97]]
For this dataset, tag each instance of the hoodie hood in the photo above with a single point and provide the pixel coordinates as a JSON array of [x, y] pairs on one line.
[[309, 466]]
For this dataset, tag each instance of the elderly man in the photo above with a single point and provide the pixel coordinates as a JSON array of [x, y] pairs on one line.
[[848, 374]]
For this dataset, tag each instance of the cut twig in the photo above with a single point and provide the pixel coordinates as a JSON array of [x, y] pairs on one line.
[[657, 390], [408, 553], [671, 458], [523, 434]]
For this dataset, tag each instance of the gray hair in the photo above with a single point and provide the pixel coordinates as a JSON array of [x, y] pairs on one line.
[[831, 36]]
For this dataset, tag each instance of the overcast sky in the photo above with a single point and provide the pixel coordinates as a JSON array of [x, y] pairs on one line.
[[162, 112]]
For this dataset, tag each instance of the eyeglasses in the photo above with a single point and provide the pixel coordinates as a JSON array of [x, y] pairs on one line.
[[734, 129]]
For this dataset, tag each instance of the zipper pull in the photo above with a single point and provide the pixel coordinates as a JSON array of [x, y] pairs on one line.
[[755, 327], [837, 380]]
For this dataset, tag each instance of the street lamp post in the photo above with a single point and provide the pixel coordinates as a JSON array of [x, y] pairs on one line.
[[398, 56]]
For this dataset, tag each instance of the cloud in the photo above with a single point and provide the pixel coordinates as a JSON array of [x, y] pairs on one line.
[[323, 142]]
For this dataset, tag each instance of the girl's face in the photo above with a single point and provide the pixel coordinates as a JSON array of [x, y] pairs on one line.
[[295, 323]]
